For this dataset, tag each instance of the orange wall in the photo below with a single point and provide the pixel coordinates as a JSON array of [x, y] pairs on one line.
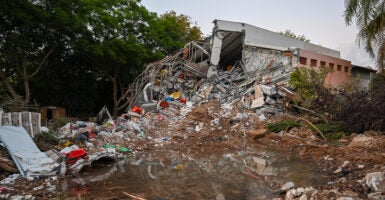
[[336, 77]]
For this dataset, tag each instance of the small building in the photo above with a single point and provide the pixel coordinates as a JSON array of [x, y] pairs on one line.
[[51, 113], [261, 48], [364, 74]]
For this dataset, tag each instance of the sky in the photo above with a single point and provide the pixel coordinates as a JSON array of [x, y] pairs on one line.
[[321, 21]]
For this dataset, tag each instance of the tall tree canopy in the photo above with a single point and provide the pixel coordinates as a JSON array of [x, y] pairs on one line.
[[369, 16], [62, 45], [31, 31], [295, 36]]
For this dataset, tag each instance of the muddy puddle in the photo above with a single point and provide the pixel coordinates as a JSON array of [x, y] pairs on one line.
[[171, 175]]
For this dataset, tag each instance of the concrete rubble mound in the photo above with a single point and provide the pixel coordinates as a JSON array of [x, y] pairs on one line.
[[190, 76]]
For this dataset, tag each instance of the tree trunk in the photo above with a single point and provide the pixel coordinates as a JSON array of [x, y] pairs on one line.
[[27, 91], [7, 85], [25, 83], [115, 96], [27, 76]]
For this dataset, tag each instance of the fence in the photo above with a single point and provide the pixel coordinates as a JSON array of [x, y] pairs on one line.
[[30, 121]]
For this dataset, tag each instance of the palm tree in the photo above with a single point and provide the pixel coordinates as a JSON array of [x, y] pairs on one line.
[[369, 16]]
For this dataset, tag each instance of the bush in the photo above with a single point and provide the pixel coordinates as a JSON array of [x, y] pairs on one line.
[[364, 110], [331, 131], [282, 126], [309, 85], [58, 123]]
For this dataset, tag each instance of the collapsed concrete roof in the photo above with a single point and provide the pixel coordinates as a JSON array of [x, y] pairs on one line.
[[233, 34], [229, 67]]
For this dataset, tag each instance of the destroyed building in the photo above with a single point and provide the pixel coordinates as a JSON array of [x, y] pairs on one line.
[[239, 62]]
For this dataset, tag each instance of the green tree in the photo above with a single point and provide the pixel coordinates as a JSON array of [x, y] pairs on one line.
[[30, 32], [171, 32], [119, 46], [291, 34], [309, 85], [369, 16], [127, 38]]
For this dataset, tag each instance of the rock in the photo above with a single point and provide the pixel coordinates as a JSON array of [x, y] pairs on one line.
[[290, 194], [338, 170], [269, 91], [299, 191], [303, 197], [270, 101], [256, 133], [375, 181], [345, 198], [220, 196], [212, 72], [261, 163], [360, 166], [376, 196], [350, 193], [361, 141], [346, 163], [287, 186]]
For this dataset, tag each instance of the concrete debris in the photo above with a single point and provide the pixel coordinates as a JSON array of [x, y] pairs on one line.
[[287, 186], [257, 77], [376, 181]]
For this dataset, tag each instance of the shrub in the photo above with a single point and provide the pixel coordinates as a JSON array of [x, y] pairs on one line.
[[364, 110], [309, 85], [282, 126]]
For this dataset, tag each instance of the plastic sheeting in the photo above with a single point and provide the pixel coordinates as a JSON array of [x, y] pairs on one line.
[[29, 160]]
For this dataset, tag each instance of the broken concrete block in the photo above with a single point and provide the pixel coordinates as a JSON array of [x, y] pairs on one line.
[[206, 91], [287, 186], [376, 181], [270, 101], [258, 92], [362, 141], [220, 88], [212, 72], [149, 107], [269, 91], [257, 103], [261, 163]]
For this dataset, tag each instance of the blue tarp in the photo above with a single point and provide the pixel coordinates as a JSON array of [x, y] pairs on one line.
[[30, 161]]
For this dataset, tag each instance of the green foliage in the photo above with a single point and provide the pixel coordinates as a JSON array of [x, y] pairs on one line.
[[282, 126], [329, 128], [332, 131], [334, 135], [94, 49], [309, 85], [46, 141], [369, 18], [58, 123], [171, 32], [295, 36]]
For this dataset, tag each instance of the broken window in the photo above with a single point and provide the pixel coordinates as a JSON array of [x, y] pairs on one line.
[[339, 67], [331, 66], [303, 61], [323, 64], [313, 63]]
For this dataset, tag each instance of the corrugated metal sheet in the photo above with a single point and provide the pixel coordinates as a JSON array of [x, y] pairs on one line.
[[29, 160]]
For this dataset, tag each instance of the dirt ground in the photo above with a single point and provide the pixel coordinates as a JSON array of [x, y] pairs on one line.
[[211, 129]]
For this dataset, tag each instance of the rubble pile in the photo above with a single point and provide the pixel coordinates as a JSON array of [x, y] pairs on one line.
[[206, 101], [188, 77]]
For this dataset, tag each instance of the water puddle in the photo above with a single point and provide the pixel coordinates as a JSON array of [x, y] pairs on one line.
[[171, 175]]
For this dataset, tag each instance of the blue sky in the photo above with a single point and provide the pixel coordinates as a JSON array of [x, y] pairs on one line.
[[321, 21]]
